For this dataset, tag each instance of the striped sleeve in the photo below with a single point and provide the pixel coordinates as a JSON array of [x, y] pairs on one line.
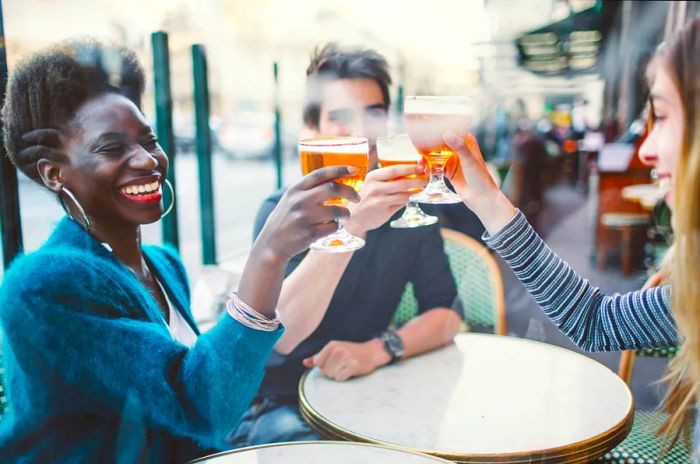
[[593, 320]]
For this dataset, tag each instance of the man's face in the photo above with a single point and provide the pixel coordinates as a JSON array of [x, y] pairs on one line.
[[353, 107]]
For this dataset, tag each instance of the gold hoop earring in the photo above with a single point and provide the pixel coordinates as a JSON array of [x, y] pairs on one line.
[[77, 205], [172, 198]]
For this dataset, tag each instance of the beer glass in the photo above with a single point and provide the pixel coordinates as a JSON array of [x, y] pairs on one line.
[[399, 150], [427, 119], [317, 153]]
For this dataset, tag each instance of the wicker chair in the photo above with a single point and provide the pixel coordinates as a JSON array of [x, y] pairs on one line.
[[479, 285], [642, 445]]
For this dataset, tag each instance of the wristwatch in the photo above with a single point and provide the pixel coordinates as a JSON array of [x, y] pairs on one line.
[[392, 344]]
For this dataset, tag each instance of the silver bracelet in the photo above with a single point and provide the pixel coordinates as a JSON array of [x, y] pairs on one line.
[[249, 317]]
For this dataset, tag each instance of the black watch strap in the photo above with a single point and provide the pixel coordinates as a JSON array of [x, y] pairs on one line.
[[392, 344]]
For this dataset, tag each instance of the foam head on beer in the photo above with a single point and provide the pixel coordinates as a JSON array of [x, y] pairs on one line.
[[396, 150], [428, 118]]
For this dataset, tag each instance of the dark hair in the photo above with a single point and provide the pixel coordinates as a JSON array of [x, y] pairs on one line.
[[45, 91], [332, 63]]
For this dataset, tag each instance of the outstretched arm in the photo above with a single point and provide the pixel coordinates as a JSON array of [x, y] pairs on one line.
[[593, 320], [308, 290]]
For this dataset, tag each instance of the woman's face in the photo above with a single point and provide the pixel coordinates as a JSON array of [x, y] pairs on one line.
[[116, 168], [662, 147]]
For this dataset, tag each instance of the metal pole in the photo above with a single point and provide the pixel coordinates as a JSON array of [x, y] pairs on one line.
[[9, 194], [399, 100], [277, 152], [206, 192], [626, 54], [164, 129]]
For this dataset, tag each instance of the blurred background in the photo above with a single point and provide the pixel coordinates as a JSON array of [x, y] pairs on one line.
[[473, 53], [560, 86]]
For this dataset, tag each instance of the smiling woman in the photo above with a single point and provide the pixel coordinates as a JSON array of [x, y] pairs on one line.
[[664, 316], [104, 362], [116, 165]]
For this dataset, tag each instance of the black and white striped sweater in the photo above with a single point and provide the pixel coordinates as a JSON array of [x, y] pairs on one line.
[[593, 320]]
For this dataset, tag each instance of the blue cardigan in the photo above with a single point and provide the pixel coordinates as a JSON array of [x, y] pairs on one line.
[[92, 373]]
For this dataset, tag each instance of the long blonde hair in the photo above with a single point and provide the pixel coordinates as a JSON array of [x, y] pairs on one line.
[[680, 59]]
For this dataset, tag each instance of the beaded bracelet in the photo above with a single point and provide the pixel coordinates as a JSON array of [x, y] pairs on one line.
[[249, 317]]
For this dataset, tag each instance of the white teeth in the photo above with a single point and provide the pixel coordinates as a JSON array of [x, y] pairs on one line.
[[145, 188]]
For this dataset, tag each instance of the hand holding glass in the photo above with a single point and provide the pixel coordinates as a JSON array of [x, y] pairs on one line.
[[393, 151], [427, 119], [316, 153]]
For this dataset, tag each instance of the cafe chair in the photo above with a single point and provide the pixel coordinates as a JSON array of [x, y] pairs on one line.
[[642, 445], [631, 227], [628, 358], [479, 285]]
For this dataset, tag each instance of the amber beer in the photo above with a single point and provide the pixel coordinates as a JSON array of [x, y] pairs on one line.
[[385, 163], [317, 153], [387, 158], [451, 166], [397, 159], [427, 119], [341, 151], [395, 151]]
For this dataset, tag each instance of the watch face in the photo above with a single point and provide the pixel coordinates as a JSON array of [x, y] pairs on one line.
[[393, 343]]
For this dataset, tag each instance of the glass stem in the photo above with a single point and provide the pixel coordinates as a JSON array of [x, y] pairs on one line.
[[341, 227], [436, 173], [411, 206]]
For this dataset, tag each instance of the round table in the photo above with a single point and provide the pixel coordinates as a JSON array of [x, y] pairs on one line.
[[320, 452], [484, 398]]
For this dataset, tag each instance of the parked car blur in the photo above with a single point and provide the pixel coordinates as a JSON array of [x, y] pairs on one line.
[[248, 135]]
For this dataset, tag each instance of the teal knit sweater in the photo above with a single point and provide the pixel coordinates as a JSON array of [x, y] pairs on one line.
[[92, 373]]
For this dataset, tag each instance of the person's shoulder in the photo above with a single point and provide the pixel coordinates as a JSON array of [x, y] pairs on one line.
[[54, 263], [58, 271]]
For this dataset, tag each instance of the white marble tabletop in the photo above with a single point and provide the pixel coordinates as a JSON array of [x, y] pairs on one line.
[[321, 453], [482, 395]]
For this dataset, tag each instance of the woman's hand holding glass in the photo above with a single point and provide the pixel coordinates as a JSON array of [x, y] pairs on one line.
[[472, 181], [300, 217]]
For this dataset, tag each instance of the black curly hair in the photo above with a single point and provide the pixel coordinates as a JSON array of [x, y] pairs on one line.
[[45, 91], [334, 62]]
